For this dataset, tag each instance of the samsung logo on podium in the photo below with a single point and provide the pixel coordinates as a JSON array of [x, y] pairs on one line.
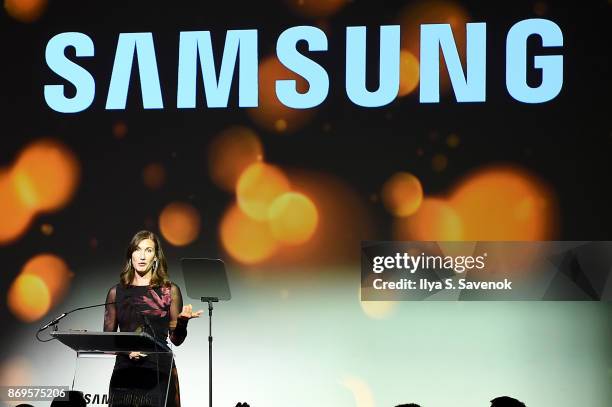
[[96, 398], [240, 54]]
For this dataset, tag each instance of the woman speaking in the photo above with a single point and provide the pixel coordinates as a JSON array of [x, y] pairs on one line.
[[146, 301]]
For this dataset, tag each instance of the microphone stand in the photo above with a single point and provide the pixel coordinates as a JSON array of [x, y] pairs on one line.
[[53, 323], [210, 301]]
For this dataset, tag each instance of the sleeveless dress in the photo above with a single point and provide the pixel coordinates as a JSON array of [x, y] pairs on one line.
[[154, 310]]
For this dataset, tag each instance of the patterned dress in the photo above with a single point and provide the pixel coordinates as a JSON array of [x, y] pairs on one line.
[[154, 310]]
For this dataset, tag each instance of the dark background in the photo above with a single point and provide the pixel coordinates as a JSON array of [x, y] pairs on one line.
[[567, 141]]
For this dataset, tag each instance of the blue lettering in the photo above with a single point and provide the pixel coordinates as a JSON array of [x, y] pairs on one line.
[[516, 61], [315, 75], [468, 88], [356, 66], [196, 43], [75, 74], [142, 43]]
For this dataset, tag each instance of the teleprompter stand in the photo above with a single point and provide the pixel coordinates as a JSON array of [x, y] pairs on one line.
[[206, 281]]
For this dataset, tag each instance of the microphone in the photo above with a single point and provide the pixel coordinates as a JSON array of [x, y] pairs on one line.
[[53, 322], [63, 315]]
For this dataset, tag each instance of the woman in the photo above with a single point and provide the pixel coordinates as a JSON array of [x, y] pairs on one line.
[[146, 301]]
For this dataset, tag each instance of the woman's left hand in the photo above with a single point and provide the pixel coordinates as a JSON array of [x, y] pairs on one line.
[[188, 312]]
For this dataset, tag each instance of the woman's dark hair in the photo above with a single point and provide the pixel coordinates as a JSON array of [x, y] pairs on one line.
[[159, 275]]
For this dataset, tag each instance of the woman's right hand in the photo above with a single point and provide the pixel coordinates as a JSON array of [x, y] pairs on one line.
[[137, 355]]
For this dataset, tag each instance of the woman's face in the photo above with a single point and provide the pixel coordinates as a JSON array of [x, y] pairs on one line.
[[143, 256]]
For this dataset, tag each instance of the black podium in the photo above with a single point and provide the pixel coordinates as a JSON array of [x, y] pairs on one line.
[[95, 364]]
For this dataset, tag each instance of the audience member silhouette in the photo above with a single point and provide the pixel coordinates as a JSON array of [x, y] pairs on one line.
[[408, 405], [74, 399], [506, 401]]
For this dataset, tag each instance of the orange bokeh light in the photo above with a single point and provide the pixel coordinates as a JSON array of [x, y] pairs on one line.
[[504, 203], [293, 218], [46, 229], [179, 223], [402, 194], [316, 8], [436, 220], [246, 240], [258, 186], [43, 178], [154, 176], [29, 298], [344, 220], [439, 162], [15, 217], [271, 114], [409, 72], [26, 11], [120, 130], [15, 371], [434, 11], [53, 271], [230, 153], [45, 175]]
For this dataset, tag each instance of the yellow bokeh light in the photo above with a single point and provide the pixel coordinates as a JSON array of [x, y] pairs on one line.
[[179, 223], [293, 218], [26, 11], [29, 298], [271, 114], [46, 229], [154, 176], [53, 271], [230, 153], [376, 309], [246, 240], [258, 186], [402, 194], [453, 140], [15, 217], [360, 391], [439, 162], [280, 125], [435, 220], [45, 175], [409, 72], [25, 189], [504, 203]]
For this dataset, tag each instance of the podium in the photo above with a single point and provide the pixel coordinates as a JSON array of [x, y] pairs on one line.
[[107, 376]]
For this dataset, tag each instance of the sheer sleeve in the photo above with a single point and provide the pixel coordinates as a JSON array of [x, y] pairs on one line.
[[110, 311], [178, 326]]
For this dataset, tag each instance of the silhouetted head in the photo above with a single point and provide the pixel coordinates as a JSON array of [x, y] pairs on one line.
[[506, 401], [408, 405], [73, 399]]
